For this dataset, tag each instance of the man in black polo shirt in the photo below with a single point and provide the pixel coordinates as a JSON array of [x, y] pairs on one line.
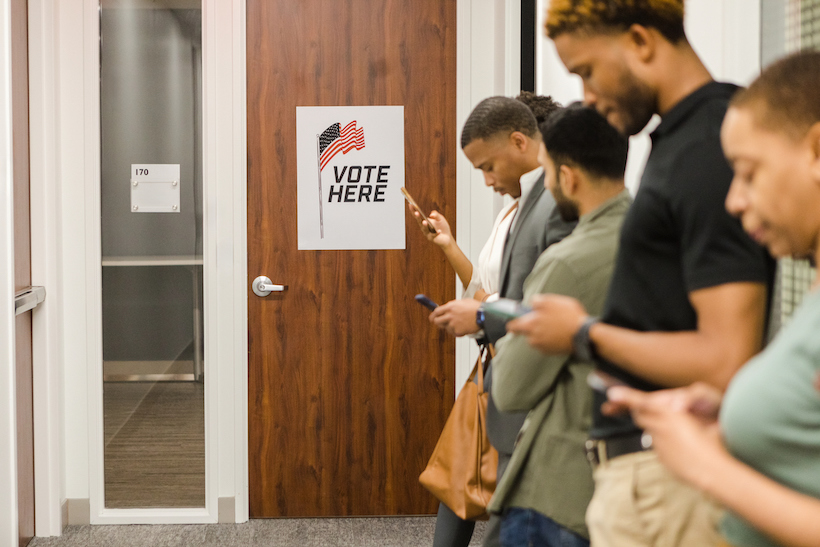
[[688, 296]]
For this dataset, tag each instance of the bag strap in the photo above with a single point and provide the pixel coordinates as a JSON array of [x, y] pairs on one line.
[[485, 351]]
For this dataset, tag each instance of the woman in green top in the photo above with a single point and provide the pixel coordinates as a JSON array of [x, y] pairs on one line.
[[757, 451]]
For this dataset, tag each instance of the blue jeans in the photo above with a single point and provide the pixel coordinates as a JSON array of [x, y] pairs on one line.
[[528, 528]]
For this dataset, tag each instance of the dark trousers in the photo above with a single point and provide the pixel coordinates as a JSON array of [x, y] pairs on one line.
[[452, 530], [528, 528]]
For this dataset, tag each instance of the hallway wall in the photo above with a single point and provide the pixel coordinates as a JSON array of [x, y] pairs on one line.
[[8, 469]]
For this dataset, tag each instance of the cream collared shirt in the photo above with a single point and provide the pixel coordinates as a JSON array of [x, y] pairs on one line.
[[487, 273]]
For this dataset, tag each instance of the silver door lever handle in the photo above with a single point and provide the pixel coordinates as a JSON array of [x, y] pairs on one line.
[[262, 286]]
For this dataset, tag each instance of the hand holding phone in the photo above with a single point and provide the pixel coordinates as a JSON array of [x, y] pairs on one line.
[[415, 205], [426, 302], [506, 309]]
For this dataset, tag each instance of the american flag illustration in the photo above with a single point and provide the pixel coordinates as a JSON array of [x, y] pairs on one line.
[[334, 140]]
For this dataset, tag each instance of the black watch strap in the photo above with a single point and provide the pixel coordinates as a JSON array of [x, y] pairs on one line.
[[581, 344]]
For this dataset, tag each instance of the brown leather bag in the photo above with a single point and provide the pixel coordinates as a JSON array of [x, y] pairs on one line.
[[461, 472]]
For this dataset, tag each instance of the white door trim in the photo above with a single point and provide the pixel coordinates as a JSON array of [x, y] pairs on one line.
[[224, 161], [47, 354], [66, 259], [226, 326], [8, 406]]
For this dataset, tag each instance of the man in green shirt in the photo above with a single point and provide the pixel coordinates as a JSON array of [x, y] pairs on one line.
[[545, 491]]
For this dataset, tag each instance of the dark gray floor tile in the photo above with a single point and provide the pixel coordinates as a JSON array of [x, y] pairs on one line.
[[229, 535], [274, 532], [336, 532]]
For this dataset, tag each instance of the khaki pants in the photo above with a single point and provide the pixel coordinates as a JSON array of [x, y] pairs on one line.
[[638, 503]]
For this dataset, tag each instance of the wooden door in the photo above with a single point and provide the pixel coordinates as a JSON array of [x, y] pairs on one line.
[[22, 269], [349, 383]]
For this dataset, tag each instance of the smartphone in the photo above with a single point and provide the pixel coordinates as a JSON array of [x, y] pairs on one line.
[[426, 302], [506, 308], [412, 202], [601, 381]]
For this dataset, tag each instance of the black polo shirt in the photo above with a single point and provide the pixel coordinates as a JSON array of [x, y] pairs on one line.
[[677, 236]]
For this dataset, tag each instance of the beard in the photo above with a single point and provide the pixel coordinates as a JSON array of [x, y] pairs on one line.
[[566, 207], [636, 104]]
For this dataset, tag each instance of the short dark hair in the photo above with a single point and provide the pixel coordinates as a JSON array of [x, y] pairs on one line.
[[785, 96], [541, 105], [580, 137], [496, 115], [597, 16]]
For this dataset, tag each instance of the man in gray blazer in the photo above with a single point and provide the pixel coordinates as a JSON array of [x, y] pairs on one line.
[[502, 140]]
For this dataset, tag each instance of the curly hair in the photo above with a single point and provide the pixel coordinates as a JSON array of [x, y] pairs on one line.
[[541, 105], [784, 97], [495, 115], [596, 16]]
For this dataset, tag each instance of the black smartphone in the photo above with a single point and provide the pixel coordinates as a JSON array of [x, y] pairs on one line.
[[506, 308], [426, 302]]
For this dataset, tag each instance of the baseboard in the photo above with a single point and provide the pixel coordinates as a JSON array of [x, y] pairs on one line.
[[78, 512], [63, 516], [226, 509]]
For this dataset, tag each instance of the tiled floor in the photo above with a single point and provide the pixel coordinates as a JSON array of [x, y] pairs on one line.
[[347, 532]]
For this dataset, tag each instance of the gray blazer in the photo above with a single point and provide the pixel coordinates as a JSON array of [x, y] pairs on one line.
[[538, 226]]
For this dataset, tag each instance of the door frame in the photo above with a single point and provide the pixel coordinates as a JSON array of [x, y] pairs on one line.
[[65, 143], [8, 407], [222, 147]]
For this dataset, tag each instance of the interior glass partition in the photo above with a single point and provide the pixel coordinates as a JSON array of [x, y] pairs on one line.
[[151, 176]]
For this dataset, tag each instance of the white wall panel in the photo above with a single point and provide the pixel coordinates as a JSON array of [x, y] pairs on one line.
[[8, 414], [488, 43], [46, 260]]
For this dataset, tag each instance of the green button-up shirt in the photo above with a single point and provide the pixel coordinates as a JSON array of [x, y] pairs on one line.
[[549, 471]]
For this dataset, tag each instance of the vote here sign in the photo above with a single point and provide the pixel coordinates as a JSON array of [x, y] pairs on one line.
[[349, 174]]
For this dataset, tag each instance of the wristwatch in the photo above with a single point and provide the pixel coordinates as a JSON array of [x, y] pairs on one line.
[[582, 346], [479, 318]]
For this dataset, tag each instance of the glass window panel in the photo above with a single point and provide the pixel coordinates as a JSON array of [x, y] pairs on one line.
[[153, 384]]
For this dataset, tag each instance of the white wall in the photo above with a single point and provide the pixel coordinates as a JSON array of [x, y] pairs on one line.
[[725, 33], [226, 324], [46, 261], [76, 282], [8, 414], [489, 38]]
